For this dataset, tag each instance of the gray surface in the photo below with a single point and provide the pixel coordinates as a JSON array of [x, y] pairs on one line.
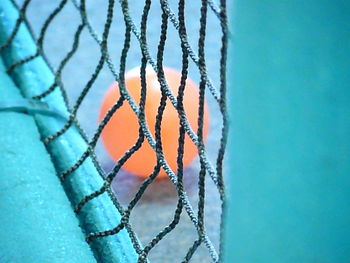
[[157, 206]]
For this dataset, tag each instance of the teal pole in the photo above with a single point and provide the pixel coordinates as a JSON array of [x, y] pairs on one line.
[[36, 218], [289, 179]]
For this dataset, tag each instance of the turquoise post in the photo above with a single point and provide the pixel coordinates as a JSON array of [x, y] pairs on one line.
[[37, 221], [289, 180], [99, 214]]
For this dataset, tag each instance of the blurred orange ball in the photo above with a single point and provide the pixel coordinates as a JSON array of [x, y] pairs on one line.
[[121, 132]]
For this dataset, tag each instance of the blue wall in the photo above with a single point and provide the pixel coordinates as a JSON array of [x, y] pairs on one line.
[[290, 132]]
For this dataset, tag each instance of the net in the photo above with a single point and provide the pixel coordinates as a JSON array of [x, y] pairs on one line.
[[207, 171]]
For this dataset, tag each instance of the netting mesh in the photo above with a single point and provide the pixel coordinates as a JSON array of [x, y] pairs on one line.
[[207, 171]]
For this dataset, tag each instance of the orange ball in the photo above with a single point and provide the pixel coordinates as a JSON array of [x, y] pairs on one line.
[[121, 132]]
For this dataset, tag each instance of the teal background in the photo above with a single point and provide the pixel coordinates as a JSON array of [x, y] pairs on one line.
[[290, 132]]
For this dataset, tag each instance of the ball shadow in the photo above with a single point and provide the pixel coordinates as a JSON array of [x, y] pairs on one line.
[[125, 185]]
